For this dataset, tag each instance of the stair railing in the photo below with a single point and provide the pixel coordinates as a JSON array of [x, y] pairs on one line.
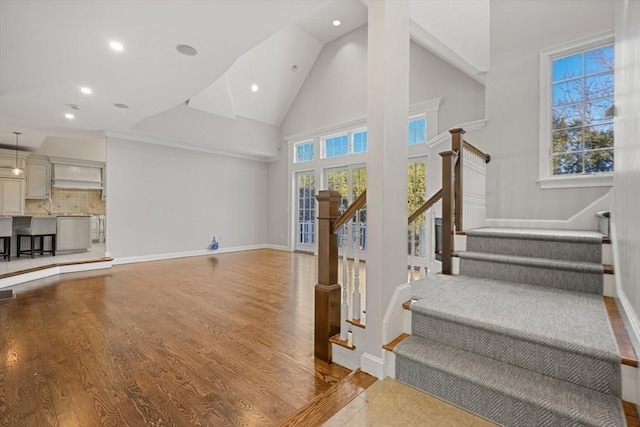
[[329, 294], [463, 205], [462, 195]]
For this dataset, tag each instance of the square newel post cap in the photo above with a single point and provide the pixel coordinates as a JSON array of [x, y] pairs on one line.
[[328, 195], [457, 130]]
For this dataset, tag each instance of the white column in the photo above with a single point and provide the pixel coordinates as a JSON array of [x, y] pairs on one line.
[[387, 116]]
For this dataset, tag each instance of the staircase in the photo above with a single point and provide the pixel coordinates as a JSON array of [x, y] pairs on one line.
[[522, 336]]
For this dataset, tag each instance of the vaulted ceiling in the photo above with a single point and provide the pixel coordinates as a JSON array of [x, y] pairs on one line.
[[49, 50]]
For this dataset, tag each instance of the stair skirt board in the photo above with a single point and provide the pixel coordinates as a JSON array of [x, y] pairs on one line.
[[569, 275], [501, 392]]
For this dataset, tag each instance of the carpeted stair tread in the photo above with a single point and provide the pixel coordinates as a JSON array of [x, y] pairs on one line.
[[504, 393], [551, 331], [569, 245], [539, 234], [561, 318], [570, 275], [584, 267]]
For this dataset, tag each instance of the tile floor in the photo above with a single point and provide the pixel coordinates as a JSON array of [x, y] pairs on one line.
[[391, 403], [25, 262]]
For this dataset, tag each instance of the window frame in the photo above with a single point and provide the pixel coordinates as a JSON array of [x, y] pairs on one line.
[[310, 142], [546, 179], [416, 117]]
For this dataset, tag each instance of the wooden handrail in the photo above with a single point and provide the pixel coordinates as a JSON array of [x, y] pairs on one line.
[[351, 210], [425, 206], [478, 152]]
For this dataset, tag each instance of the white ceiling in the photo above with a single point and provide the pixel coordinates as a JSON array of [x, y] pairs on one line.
[[49, 49]]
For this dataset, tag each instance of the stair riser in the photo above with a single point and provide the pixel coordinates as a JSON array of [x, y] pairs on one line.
[[597, 374], [568, 251], [561, 279], [502, 409]]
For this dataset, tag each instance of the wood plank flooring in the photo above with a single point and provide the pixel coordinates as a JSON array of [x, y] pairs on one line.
[[207, 341]]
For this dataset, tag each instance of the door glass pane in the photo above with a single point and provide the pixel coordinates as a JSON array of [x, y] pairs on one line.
[[358, 185], [306, 209], [416, 196]]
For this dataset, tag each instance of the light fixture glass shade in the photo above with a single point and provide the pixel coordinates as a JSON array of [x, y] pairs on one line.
[[17, 171]]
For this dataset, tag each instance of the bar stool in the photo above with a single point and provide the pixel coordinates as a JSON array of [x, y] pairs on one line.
[[6, 230], [39, 228]]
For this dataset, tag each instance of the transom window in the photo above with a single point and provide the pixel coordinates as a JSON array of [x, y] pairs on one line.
[[336, 146], [581, 92], [304, 152], [417, 131], [360, 142]]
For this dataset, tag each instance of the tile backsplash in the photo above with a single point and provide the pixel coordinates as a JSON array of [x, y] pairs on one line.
[[69, 201]]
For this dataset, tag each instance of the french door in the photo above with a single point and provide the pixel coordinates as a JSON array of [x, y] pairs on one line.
[[306, 208], [350, 182]]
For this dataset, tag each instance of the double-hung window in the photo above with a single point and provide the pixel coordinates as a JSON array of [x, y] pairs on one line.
[[577, 132]]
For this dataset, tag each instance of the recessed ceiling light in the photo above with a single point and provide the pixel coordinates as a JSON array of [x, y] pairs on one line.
[[254, 88], [121, 105], [117, 46], [186, 50], [336, 23], [69, 116], [86, 90]]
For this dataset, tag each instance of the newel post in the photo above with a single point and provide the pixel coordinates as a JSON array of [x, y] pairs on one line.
[[448, 205], [327, 290], [457, 146]]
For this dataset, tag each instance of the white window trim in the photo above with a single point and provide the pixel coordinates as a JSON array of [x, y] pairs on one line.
[[295, 151], [545, 178]]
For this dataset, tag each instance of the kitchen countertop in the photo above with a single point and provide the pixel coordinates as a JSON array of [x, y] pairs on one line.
[[51, 216]]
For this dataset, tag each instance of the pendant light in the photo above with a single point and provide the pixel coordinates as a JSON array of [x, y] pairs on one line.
[[17, 171]]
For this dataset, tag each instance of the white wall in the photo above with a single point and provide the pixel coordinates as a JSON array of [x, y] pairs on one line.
[[462, 25], [336, 92], [164, 200], [83, 149], [626, 209], [207, 131], [519, 30]]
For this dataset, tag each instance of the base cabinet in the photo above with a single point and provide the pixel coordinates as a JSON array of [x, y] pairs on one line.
[[74, 233], [11, 196]]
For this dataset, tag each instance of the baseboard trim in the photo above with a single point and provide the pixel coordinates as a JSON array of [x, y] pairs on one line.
[[173, 255], [372, 365], [585, 219], [278, 247], [626, 305]]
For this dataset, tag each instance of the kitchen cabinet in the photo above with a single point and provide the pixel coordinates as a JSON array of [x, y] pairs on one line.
[[74, 233], [38, 179], [11, 196]]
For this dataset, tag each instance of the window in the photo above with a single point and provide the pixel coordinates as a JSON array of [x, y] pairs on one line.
[[576, 131], [360, 142], [417, 132], [336, 146], [306, 209], [582, 89], [304, 152]]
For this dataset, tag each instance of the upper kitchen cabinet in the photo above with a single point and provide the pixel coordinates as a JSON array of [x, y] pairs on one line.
[[38, 178], [11, 196]]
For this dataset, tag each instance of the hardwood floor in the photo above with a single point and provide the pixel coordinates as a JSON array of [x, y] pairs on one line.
[[207, 341]]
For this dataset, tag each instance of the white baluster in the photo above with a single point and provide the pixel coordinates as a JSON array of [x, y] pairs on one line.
[[413, 251], [424, 239], [344, 308], [355, 300]]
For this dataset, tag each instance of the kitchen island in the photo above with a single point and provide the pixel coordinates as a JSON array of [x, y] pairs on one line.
[[73, 232]]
